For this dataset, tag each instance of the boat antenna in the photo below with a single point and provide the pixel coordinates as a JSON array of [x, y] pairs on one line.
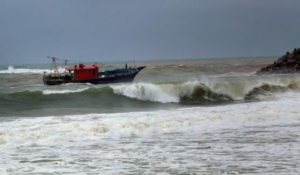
[[66, 62], [54, 63]]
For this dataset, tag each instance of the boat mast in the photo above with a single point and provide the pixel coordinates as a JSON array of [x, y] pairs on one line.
[[54, 65], [66, 62]]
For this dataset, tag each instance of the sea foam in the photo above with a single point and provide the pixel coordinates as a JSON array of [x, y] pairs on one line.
[[147, 92], [48, 92], [12, 70], [180, 139], [194, 119]]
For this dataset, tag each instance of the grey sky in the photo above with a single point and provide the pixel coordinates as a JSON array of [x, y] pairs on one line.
[[113, 30]]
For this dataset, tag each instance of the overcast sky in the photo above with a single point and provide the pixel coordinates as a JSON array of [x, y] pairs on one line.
[[110, 30]]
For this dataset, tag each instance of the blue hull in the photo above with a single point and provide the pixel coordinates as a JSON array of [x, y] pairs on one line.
[[106, 78]]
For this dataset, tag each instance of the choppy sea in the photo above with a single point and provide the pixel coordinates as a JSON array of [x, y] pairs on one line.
[[211, 116]]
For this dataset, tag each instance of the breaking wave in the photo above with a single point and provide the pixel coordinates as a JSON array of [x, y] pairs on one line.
[[12, 70], [260, 92], [49, 92], [146, 92], [183, 93], [117, 136], [188, 93]]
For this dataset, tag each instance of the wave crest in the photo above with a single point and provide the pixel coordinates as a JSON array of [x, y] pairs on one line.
[[204, 95], [184, 93], [49, 92], [257, 93], [146, 92], [12, 70], [188, 93]]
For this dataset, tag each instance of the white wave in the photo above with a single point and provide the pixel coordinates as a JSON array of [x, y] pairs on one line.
[[238, 87], [146, 91], [196, 119], [66, 91], [164, 93], [12, 70], [258, 130]]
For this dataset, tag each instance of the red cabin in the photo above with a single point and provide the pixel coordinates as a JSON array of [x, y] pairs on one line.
[[83, 72]]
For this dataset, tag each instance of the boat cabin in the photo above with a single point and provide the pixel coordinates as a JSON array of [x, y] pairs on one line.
[[82, 72]]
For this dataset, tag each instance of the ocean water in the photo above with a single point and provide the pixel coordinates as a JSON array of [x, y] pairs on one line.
[[211, 116]]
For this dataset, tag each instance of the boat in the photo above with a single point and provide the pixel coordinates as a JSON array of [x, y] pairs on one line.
[[90, 74]]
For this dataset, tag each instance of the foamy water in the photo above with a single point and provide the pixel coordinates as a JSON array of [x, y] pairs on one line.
[[147, 92], [197, 117], [65, 91], [12, 70], [249, 138]]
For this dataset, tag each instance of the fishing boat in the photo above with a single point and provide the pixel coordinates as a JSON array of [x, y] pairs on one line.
[[90, 74]]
